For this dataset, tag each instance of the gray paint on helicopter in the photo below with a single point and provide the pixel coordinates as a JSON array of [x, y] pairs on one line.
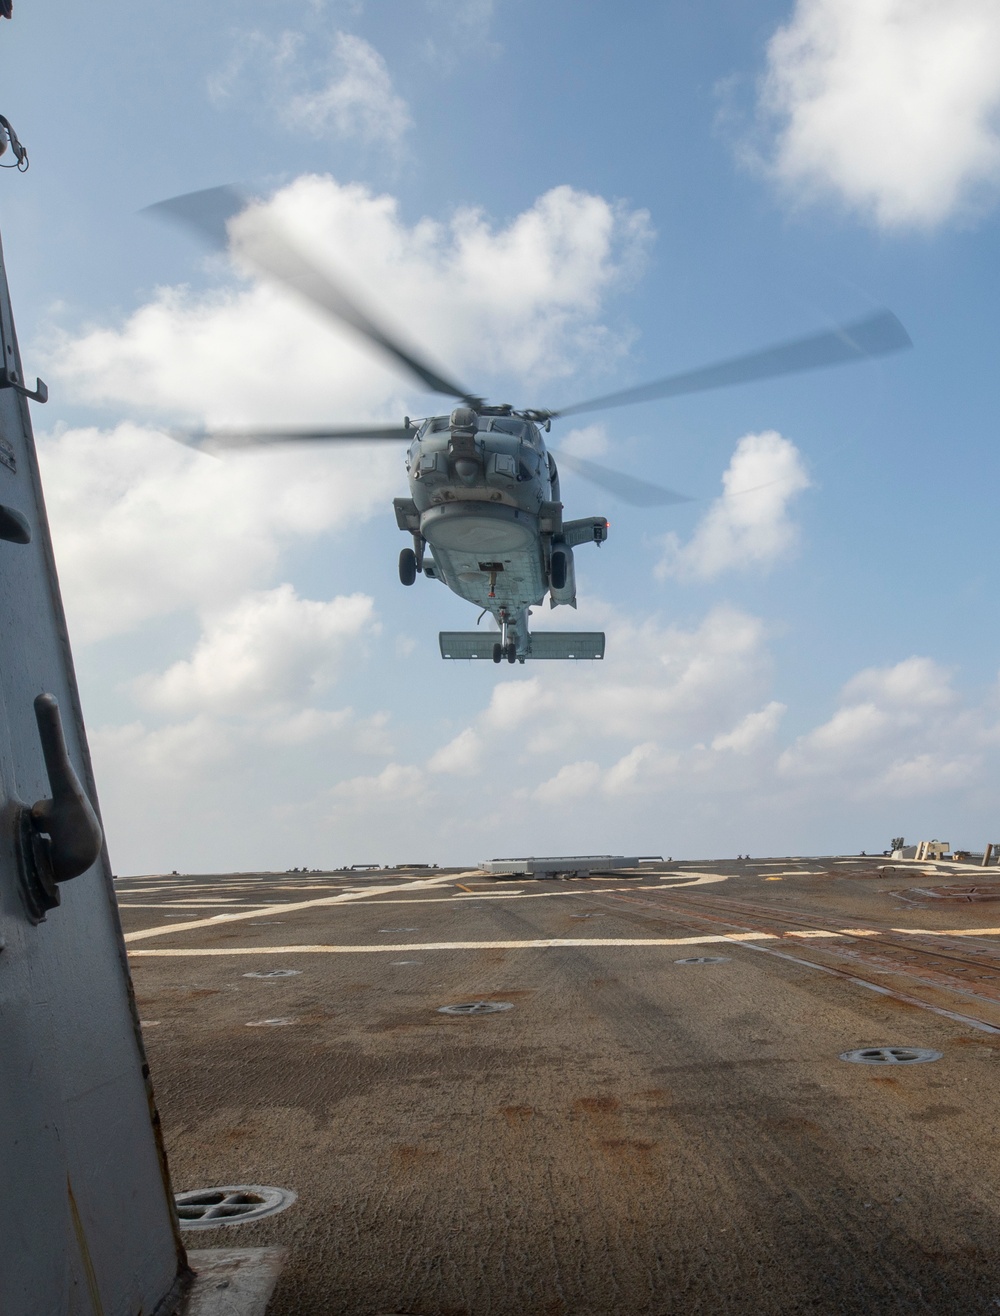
[[484, 509]]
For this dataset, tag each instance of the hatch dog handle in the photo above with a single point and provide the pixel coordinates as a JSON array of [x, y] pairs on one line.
[[68, 818]]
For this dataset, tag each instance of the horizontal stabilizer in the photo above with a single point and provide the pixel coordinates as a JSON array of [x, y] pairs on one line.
[[544, 644]]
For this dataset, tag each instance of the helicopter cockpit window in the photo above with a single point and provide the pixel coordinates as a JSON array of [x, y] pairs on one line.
[[438, 424], [507, 425]]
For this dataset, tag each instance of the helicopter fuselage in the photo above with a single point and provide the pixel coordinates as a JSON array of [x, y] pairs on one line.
[[486, 519]]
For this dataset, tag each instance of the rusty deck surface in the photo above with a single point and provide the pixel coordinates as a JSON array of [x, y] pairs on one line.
[[635, 1135]]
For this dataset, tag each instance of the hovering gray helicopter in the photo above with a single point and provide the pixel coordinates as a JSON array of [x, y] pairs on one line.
[[484, 509]]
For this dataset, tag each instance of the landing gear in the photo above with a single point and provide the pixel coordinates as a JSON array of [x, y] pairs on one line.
[[506, 648], [407, 566]]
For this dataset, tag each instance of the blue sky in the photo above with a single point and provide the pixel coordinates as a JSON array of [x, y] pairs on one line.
[[555, 201]]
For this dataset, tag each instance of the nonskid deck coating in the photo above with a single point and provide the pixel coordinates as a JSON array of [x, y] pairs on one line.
[[635, 1135]]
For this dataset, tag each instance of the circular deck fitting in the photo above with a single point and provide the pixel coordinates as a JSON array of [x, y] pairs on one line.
[[965, 895], [274, 973], [476, 1007], [891, 1055], [704, 959], [235, 1204]]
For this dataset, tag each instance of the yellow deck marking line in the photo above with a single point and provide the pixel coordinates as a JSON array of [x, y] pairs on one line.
[[288, 908]]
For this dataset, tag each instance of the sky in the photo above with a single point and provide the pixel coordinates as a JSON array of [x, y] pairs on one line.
[[553, 201]]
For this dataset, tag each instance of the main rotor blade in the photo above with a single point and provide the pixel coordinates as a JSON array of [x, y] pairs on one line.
[[250, 438], [275, 253], [625, 487], [874, 336]]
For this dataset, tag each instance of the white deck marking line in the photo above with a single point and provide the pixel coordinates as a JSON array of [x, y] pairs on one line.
[[524, 895], [545, 943], [949, 932], [683, 879], [286, 908], [189, 904], [966, 1019], [541, 943]]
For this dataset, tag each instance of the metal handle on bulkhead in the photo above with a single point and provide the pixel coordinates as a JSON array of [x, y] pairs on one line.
[[68, 818]]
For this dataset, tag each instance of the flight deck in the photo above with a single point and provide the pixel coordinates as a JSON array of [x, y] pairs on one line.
[[620, 1094]]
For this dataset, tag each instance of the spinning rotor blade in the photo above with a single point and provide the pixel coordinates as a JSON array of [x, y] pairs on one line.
[[250, 438], [275, 253], [874, 336], [625, 487]]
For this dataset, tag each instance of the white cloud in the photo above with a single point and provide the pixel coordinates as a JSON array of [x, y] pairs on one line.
[[899, 733], [572, 781], [340, 88], [395, 782], [461, 756], [915, 682], [753, 730], [667, 683], [512, 703], [144, 527], [643, 770], [357, 98], [466, 31], [521, 297], [587, 441], [892, 105], [749, 526], [270, 650], [304, 725], [183, 752]]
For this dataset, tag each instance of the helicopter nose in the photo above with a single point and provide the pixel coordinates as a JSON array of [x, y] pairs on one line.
[[466, 470]]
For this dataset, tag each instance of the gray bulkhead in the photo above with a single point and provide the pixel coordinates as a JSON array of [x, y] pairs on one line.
[[86, 1214]]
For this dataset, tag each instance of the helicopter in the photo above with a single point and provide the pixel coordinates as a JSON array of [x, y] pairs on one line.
[[484, 513]]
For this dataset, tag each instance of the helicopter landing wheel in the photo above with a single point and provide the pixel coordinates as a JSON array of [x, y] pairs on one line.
[[512, 652], [497, 653], [407, 566]]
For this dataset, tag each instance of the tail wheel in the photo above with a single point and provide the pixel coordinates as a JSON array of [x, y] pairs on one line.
[[512, 652], [557, 571], [497, 653], [407, 566]]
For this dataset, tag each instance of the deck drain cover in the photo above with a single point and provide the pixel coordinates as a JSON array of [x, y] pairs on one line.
[[704, 959], [476, 1007], [891, 1055], [235, 1204], [274, 973]]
